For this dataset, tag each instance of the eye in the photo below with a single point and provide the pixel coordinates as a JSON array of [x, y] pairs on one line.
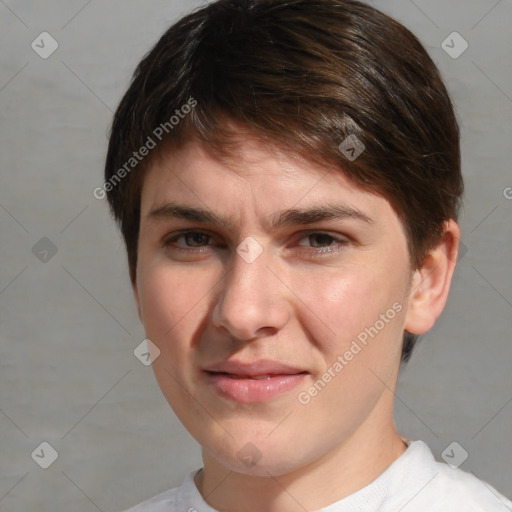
[[199, 244], [194, 239], [188, 240], [321, 244], [320, 240]]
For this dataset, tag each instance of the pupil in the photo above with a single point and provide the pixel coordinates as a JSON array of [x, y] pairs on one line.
[[196, 239], [321, 240]]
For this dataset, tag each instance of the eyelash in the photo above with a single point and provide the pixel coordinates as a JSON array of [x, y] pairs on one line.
[[339, 243]]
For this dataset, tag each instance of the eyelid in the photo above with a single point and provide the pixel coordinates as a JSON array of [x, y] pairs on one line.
[[185, 231], [339, 241], [170, 238], [302, 234], [326, 232]]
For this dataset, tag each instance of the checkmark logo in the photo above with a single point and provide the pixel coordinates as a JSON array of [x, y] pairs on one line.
[[352, 148], [249, 455], [146, 352], [454, 455], [44, 45], [454, 45], [249, 250], [450, 454], [44, 250], [45, 455]]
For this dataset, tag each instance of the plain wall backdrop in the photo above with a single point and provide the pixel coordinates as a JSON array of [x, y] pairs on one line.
[[68, 324]]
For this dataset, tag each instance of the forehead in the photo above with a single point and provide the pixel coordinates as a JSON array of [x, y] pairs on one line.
[[255, 179], [249, 161]]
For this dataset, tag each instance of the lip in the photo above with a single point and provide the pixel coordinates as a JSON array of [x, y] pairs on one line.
[[239, 381], [253, 368]]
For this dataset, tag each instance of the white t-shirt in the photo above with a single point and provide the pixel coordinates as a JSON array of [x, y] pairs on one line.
[[415, 482]]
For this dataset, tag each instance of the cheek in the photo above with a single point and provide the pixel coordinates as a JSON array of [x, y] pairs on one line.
[[339, 304], [174, 302], [357, 327], [172, 299]]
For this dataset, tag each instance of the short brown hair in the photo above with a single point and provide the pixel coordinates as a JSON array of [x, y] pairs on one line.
[[303, 74]]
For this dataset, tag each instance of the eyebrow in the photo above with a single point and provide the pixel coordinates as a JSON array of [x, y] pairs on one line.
[[293, 216]]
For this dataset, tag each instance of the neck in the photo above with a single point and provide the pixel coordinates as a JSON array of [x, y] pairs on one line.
[[344, 470]]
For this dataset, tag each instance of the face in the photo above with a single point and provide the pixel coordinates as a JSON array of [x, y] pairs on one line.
[[277, 295]]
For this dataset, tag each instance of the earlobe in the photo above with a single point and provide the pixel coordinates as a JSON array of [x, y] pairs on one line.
[[430, 284]]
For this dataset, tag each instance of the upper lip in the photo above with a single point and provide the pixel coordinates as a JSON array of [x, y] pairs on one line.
[[252, 368]]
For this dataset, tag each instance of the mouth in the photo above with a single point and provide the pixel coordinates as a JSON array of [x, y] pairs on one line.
[[253, 388], [255, 377]]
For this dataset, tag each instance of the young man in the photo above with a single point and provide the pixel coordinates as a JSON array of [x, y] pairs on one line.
[[286, 176]]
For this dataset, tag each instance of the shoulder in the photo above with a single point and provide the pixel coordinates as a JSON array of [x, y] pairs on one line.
[[442, 488], [456, 488], [172, 500], [164, 502]]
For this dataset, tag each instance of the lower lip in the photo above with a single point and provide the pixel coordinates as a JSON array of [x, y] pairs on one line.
[[249, 391]]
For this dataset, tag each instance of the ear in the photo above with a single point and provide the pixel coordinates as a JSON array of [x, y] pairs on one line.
[[430, 283]]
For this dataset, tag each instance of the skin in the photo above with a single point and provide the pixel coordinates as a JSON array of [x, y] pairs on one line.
[[301, 302]]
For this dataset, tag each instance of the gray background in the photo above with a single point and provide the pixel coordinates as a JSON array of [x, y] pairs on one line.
[[68, 325]]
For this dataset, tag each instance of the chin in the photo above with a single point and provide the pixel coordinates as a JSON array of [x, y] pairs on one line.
[[270, 460]]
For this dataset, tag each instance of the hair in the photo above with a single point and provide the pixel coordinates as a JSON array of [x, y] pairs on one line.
[[303, 75]]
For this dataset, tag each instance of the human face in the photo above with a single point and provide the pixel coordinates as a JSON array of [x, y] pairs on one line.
[[333, 262]]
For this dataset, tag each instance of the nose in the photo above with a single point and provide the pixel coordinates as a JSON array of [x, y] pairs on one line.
[[253, 302]]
